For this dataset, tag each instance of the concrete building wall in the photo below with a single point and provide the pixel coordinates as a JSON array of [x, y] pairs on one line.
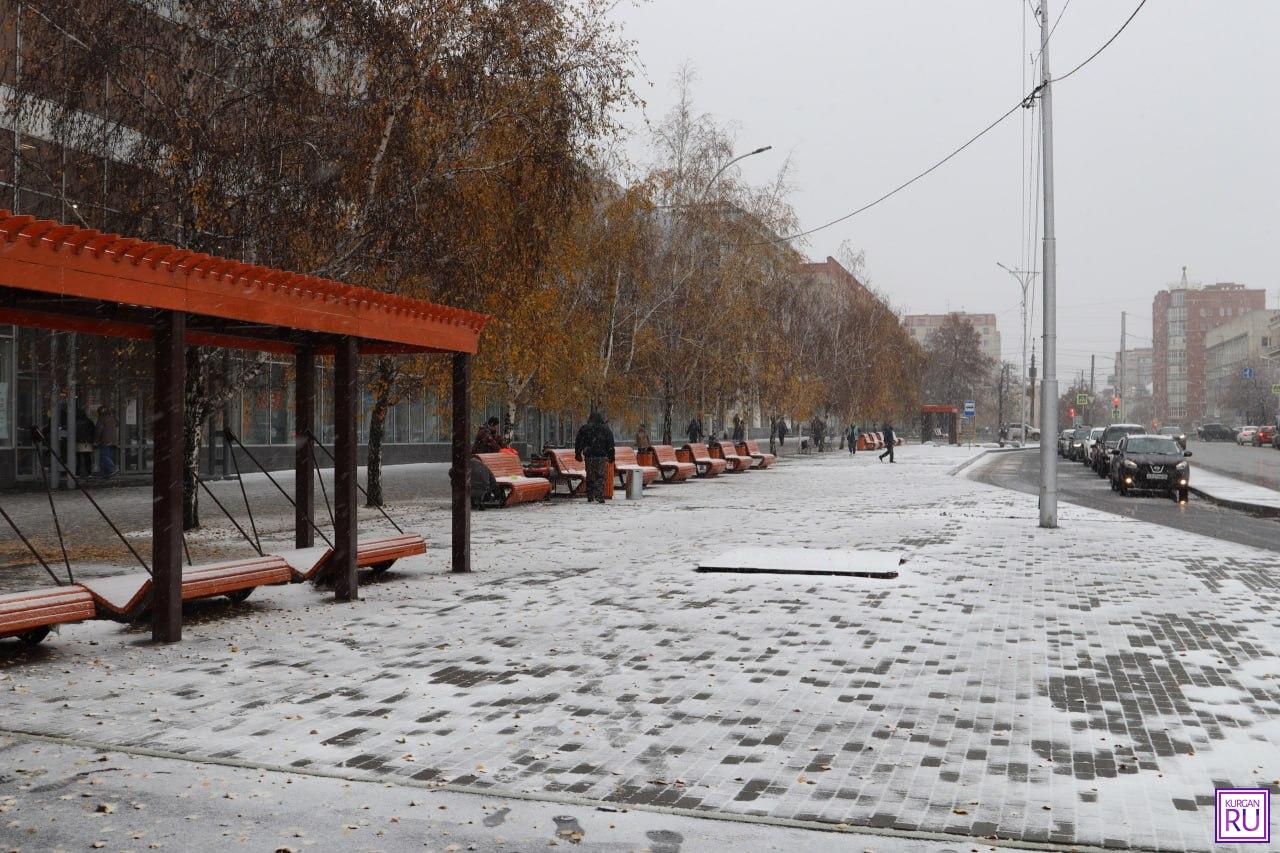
[[1182, 315], [1233, 347]]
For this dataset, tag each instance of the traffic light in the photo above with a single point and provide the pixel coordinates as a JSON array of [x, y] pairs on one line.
[[1115, 402], [1071, 413]]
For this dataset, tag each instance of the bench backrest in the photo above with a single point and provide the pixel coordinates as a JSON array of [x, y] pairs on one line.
[[699, 451], [502, 464], [727, 448], [753, 446], [624, 455], [564, 461], [664, 453]]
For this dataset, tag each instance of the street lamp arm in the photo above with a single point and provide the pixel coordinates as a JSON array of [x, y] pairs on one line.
[[722, 169]]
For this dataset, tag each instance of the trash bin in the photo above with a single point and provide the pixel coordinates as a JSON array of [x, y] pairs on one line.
[[635, 485]]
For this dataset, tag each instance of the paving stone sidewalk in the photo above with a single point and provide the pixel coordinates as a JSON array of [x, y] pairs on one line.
[[1088, 685]]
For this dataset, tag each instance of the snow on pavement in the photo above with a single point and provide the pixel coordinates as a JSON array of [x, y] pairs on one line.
[[1087, 685]]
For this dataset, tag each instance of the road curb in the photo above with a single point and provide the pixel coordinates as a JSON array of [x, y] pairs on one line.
[[972, 459], [1257, 510]]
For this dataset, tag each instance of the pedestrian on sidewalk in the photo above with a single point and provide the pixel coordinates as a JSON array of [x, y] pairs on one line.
[[695, 430], [86, 437], [889, 441], [739, 429], [108, 439], [594, 445], [488, 438], [852, 439], [642, 438], [782, 432]]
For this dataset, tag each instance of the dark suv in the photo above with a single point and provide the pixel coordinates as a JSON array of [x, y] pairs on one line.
[[1216, 432], [1151, 463], [1076, 444], [1107, 445]]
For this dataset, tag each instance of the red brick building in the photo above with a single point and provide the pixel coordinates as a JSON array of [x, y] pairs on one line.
[[1180, 317]]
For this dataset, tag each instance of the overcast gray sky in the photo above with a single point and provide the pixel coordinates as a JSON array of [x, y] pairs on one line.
[[1166, 145]]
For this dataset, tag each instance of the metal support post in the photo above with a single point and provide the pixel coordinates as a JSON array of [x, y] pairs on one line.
[[166, 481], [304, 419], [345, 403], [460, 473]]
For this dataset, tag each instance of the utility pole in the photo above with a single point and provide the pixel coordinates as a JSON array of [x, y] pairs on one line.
[[1025, 279], [1092, 375], [1123, 358], [1049, 388], [1032, 393], [1004, 374]]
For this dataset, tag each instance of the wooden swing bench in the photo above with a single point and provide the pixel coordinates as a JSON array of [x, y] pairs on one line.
[[125, 597], [673, 469], [377, 553], [30, 614], [706, 465]]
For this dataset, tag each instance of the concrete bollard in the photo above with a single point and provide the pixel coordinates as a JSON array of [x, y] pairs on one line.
[[635, 485]]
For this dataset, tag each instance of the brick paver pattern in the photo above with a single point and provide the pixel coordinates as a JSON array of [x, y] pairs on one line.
[[1090, 685]]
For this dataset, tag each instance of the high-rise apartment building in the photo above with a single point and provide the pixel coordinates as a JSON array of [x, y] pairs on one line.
[[1181, 316]]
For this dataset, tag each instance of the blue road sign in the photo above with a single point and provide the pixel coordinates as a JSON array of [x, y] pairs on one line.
[[970, 408], [1248, 373]]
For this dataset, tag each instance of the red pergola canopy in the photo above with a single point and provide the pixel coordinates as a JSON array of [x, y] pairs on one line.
[[81, 280]]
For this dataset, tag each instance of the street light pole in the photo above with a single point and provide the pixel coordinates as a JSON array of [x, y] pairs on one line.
[[1024, 279], [1049, 387], [721, 170]]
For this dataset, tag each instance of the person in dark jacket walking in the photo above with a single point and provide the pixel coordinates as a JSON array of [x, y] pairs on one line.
[[108, 439], [851, 438], [782, 432], [86, 437], [889, 441], [739, 429], [594, 445], [488, 438], [694, 431]]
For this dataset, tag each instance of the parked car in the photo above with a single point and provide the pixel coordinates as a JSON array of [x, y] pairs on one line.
[[1215, 432], [1151, 463], [1177, 433], [1017, 431], [1108, 442], [1075, 450], [1064, 441], [1245, 435], [1264, 435], [1090, 443]]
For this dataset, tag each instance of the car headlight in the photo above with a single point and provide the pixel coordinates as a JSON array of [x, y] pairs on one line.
[[1131, 465], [1181, 466]]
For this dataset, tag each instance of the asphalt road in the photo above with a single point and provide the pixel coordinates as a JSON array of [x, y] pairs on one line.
[[1079, 485], [1259, 465]]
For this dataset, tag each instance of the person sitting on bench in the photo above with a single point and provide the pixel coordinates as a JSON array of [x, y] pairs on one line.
[[488, 438]]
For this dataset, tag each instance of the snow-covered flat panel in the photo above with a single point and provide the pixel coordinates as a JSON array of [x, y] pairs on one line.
[[805, 561], [1227, 488]]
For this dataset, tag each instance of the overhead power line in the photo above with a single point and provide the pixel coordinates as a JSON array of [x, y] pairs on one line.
[[1025, 102]]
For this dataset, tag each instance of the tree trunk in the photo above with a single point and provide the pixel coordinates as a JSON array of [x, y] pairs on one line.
[[192, 424], [377, 429], [384, 386], [667, 406]]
